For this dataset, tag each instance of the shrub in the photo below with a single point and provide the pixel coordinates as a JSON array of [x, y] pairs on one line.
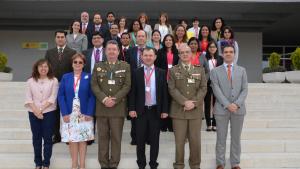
[[3, 62], [295, 58], [277, 69], [274, 61]]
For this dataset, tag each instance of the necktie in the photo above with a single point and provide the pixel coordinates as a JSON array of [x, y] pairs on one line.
[[84, 28], [60, 53], [97, 56], [229, 73], [140, 62], [123, 54], [148, 85]]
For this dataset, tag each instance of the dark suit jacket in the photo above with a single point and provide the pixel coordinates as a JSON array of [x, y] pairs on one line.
[[91, 29], [122, 55], [62, 66], [137, 93], [108, 38], [88, 34], [162, 61], [88, 55], [131, 58]]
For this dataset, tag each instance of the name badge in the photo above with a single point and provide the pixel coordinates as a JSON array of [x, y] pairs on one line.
[[147, 89], [170, 66], [191, 80], [111, 82]]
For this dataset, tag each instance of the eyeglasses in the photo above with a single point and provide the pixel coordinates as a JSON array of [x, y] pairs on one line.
[[185, 52], [78, 62]]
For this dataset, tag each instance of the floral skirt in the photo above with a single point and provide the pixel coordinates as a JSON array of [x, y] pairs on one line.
[[77, 130]]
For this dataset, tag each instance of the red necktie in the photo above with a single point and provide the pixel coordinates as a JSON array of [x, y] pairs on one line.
[[84, 28], [123, 52], [229, 73]]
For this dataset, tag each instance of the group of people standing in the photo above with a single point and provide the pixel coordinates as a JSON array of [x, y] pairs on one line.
[[99, 74]]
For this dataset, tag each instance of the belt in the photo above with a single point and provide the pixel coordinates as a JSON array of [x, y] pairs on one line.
[[150, 107]]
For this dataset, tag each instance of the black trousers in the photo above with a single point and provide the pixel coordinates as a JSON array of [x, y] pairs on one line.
[[209, 100], [147, 129], [56, 132], [167, 123], [133, 130]]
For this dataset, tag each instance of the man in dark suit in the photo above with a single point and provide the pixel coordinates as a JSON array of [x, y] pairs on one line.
[[95, 54], [125, 41], [60, 59], [114, 30], [96, 26], [148, 104], [133, 57], [84, 24], [110, 18]]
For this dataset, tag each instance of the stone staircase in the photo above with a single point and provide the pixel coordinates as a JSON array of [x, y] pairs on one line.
[[270, 139]]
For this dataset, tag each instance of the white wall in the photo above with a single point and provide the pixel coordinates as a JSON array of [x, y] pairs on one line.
[[21, 60]]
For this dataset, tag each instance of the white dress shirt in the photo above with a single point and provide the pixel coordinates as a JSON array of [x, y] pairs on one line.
[[93, 57]]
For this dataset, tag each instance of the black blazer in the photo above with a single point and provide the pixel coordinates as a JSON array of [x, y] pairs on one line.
[[60, 67], [88, 34], [131, 58], [137, 93], [88, 55], [122, 55], [162, 61], [91, 29], [108, 38]]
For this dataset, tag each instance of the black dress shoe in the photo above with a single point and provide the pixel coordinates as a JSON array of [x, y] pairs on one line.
[[214, 128], [133, 142], [209, 128]]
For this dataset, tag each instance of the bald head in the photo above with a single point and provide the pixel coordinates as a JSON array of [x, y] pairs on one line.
[[141, 38], [185, 53]]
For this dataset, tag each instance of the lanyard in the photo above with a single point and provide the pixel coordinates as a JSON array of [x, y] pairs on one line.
[[147, 78], [76, 83]]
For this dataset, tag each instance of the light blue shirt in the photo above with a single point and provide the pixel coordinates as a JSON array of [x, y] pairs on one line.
[[153, 85]]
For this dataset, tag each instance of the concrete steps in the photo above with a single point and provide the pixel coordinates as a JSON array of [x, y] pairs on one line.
[[270, 139]]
